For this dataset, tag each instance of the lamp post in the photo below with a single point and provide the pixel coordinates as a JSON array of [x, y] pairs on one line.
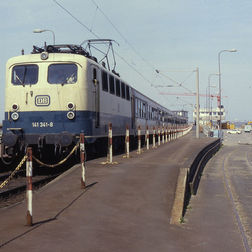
[[45, 30], [197, 102], [220, 106]]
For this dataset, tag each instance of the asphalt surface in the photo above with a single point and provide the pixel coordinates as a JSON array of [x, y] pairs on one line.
[[127, 207]]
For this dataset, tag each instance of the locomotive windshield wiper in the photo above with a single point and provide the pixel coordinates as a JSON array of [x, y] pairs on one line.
[[19, 80], [69, 79]]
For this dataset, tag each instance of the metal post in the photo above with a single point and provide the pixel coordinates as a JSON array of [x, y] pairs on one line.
[[154, 138], [29, 187], [139, 140], [166, 136], [147, 138], [158, 136], [163, 139], [82, 158], [127, 141], [110, 154]]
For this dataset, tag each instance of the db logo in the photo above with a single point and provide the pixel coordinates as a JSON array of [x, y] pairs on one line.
[[42, 100]]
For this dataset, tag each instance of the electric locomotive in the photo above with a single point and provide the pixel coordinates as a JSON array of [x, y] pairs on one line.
[[58, 91]]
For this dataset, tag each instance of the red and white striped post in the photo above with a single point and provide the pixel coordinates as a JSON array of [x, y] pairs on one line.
[[139, 139], [158, 136], [29, 186], [110, 136], [154, 138], [166, 135], [163, 137], [147, 138], [127, 141], [82, 159]]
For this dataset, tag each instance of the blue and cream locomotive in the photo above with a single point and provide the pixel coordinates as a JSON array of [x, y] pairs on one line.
[[57, 92]]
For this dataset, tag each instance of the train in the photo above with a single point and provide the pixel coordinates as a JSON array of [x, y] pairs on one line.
[[58, 91]]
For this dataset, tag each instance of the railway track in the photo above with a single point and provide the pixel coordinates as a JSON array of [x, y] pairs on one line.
[[14, 191]]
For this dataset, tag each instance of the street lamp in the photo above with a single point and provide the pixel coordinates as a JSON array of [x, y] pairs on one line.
[[219, 54], [45, 30], [197, 103]]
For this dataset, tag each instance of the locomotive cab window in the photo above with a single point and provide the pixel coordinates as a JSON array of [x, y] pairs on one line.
[[24, 75], [62, 74]]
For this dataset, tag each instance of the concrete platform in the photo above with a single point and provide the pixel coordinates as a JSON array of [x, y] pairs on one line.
[[126, 207]]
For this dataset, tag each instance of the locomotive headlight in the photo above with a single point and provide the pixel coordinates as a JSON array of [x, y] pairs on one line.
[[14, 116], [70, 115], [44, 55], [70, 106], [15, 107]]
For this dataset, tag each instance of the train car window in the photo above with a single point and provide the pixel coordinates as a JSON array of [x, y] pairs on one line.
[[144, 111], [123, 89], [62, 74], [111, 84], [139, 108], [127, 93], [118, 89], [24, 75], [104, 81], [136, 107]]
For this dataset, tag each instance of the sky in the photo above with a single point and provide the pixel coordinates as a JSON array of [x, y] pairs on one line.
[[173, 37]]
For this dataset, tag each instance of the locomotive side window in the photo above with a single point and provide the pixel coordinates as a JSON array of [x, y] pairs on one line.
[[127, 93], [24, 75], [111, 84], [104, 81], [62, 74], [123, 89], [118, 90]]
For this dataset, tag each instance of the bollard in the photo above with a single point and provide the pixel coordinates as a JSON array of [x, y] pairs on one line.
[[139, 140], [127, 141], [158, 136], [29, 186], [82, 159], [154, 138], [147, 137], [163, 139], [166, 135], [110, 154]]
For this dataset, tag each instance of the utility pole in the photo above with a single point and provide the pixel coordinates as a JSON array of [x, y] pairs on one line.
[[197, 103]]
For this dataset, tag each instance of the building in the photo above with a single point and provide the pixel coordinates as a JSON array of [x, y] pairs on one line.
[[210, 116]]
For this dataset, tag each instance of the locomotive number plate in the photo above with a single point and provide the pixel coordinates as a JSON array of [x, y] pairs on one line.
[[42, 100], [42, 124]]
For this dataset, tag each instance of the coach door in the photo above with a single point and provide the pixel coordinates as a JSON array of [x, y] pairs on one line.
[[96, 94]]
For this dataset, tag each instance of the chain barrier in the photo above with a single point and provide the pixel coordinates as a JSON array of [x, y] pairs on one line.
[[60, 162], [14, 172]]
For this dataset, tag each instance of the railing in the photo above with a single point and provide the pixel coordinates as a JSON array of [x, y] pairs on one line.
[[188, 181], [195, 171]]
